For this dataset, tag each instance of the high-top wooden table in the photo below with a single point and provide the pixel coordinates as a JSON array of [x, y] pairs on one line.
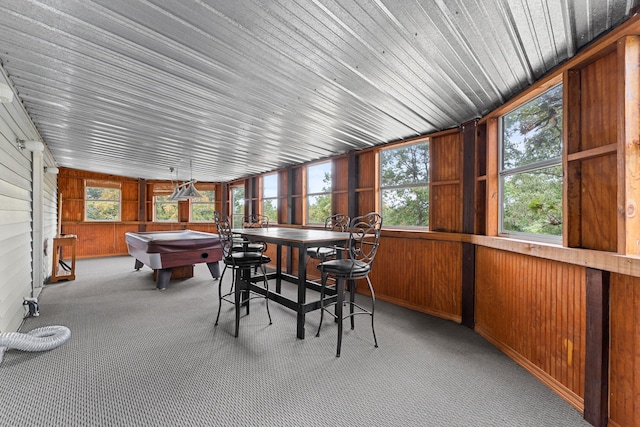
[[300, 239]]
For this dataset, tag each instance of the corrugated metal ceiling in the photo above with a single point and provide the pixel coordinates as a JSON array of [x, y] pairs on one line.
[[246, 86]]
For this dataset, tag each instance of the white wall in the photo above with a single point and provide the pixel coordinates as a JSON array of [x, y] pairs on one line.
[[17, 228]]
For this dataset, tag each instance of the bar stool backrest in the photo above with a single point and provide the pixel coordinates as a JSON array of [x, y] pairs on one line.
[[365, 237]]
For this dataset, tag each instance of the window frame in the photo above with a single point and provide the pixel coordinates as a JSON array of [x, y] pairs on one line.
[[527, 168], [318, 194], [103, 184], [426, 184], [237, 218], [212, 203], [168, 202], [275, 198]]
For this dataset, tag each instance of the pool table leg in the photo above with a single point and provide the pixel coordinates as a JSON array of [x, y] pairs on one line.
[[164, 275], [214, 268], [138, 265]]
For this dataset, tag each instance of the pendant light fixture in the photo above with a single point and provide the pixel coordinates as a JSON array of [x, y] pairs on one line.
[[186, 190]]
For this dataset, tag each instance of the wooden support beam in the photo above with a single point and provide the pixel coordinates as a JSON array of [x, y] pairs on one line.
[[142, 204], [352, 203], [629, 145], [468, 175], [493, 198], [224, 201], [596, 381]]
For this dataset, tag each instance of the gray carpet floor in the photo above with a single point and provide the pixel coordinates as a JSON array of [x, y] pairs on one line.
[[139, 357]]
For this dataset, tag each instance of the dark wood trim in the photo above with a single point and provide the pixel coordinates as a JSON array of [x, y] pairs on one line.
[[352, 184], [469, 130], [468, 285], [224, 199], [596, 381], [142, 203]]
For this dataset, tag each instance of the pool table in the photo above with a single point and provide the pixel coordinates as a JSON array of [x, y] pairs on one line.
[[164, 250]]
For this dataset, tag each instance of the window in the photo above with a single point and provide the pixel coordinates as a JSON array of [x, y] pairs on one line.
[[404, 185], [165, 210], [202, 208], [531, 167], [318, 193], [102, 201], [237, 205], [270, 197]]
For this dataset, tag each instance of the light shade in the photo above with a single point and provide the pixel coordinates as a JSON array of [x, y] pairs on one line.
[[174, 195], [52, 170], [188, 191], [6, 94]]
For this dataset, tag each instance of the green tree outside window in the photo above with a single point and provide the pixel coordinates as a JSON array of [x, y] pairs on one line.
[[202, 208], [270, 197], [166, 210], [319, 193], [237, 205], [531, 168], [102, 204], [404, 185]]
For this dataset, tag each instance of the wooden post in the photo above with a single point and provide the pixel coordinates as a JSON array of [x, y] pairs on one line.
[[142, 204], [493, 199], [352, 184], [629, 145], [596, 372], [468, 175]]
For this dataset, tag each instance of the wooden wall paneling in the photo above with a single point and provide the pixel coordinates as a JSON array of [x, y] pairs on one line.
[[480, 189], [94, 239], [120, 242], [366, 202], [628, 145], [206, 227], [183, 211], [481, 207], [446, 157], [426, 278], [624, 385], [164, 226], [598, 209], [533, 310], [367, 168], [598, 110], [340, 178], [446, 208], [596, 392], [340, 202], [445, 195], [130, 201], [468, 285]]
